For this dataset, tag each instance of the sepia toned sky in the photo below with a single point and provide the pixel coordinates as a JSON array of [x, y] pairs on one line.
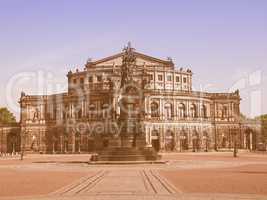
[[224, 42]]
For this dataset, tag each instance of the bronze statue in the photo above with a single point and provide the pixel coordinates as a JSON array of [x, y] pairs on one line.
[[128, 63]]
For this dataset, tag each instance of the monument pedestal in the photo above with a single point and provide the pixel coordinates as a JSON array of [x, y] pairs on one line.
[[127, 154], [122, 149], [130, 146]]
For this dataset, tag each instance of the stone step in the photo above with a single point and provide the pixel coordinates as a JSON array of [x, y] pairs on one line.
[[127, 154]]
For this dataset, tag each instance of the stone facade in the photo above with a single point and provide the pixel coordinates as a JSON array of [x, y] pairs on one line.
[[9, 138], [175, 117]]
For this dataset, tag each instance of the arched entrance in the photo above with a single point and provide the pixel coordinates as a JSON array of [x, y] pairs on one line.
[[183, 140], [224, 141], [205, 143], [155, 140], [195, 141], [13, 142], [169, 141]]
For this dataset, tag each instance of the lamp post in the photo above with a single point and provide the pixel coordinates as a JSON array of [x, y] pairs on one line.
[[23, 145], [13, 144], [235, 140]]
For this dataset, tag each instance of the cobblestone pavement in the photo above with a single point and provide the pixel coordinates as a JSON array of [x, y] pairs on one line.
[[129, 182]]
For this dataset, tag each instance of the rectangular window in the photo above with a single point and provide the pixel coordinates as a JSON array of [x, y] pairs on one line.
[[160, 77], [177, 79], [74, 81], [90, 79], [151, 77], [82, 81], [184, 79], [99, 78], [169, 78]]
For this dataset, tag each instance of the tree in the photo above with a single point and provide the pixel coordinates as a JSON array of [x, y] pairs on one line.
[[6, 116], [263, 120]]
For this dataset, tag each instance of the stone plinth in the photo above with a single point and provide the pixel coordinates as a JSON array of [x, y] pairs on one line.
[[127, 154]]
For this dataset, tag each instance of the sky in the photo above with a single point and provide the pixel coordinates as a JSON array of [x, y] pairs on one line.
[[223, 42]]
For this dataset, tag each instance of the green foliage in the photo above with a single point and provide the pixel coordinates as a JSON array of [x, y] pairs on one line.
[[263, 119], [6, 116]]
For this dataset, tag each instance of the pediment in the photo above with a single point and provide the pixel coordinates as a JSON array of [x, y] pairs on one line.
[[141, 59]]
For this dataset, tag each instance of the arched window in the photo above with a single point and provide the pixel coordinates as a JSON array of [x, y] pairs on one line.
[[203, 111], [195, 140], [154, 109], [193, 111], [181, 111], [168, 111]]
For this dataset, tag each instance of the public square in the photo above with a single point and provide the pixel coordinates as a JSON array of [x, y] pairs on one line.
[[212, 175]]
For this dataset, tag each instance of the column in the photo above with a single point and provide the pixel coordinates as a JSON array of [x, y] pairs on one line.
[[27, 112], [244, 141], [173, 80], [187, 109], [161, 109], [175, 139], [149, 136], [161, 138], [148, 108], [175, 109], [178, 136], [73, 142], [190, 142]]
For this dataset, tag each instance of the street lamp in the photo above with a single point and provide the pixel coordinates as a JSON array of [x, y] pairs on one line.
[[235, 144], [23, 145], [13, 144]]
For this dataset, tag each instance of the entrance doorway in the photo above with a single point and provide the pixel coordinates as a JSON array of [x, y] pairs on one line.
[[169, 141], [155, 140]]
